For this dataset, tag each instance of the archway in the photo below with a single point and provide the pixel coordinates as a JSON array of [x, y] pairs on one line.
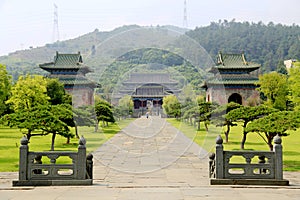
[[235, 97]]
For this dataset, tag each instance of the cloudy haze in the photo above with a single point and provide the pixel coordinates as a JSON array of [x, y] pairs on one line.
[[30, 23]]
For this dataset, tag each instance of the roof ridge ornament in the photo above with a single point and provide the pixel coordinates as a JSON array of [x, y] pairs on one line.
[[244, 58], [220, 59]]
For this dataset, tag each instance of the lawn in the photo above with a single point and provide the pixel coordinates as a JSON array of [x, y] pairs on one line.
[[291, 150], [10, 142]]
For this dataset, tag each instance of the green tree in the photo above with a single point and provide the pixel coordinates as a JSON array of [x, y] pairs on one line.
[[274, 124], [84, 116], [57, 93], [219, 119], [275, 87], [5, 88], [281, 68], [27, 95], [55, 120], [247, 114], [204, 113], [125, 106], [294, 85], [187, 93], [42, 120], [188, 110], [104, 112], [28, 92], [33, 111], [24, 120], [172, 106]]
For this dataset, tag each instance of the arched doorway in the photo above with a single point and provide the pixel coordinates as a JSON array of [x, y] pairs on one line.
[[235, 97]]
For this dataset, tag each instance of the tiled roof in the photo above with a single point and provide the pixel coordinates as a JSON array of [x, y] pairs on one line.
[[233, 80], [150, 78], [74, 80], [66, 61], [233, 61]]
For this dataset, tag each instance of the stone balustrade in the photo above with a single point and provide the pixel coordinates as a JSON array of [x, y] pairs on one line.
[[247, 167], [46, 168]]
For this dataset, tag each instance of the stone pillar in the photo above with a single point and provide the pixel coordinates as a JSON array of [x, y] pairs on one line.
[[23, 165], [212, 173], [278, 157], [89, 166], [219, 158], [81, 165]]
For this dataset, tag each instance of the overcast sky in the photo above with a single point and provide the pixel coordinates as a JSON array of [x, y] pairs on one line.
[[25, 23]]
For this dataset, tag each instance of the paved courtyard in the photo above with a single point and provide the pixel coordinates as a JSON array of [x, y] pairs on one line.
[[150, 159]]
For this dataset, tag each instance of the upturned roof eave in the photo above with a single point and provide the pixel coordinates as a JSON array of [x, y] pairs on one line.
[[217, 69]]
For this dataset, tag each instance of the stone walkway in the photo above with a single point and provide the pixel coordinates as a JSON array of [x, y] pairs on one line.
[[150, 159], [150, 153]]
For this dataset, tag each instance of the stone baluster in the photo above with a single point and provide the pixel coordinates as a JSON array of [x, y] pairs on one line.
[[81, 165], [262, 161], [219, 158], [278, 157], [212, 165], [89, 166], [38, 160], [23, 166]]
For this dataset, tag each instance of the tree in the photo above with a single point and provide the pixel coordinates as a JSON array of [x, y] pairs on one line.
[[28, 92], [125, 106], [274, 124], [281, 68], [26, 96], [55, 120], [33, 111], [57, 93], [294, 85], [219, 119], [275, 87], [247, 114], [23, 120], [187, 93], [84, 116], [188, 110], [172, 106], [5, 87], [104, 112], [204, 113], [49, 119]]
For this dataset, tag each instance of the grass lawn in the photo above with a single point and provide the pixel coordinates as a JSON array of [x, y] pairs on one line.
[[10, 142], [291, 143]]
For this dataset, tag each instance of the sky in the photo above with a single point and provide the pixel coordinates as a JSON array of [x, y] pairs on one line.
[[30, 23]]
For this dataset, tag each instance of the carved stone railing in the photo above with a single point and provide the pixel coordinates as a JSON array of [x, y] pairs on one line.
[[33, 172], [250, 167]]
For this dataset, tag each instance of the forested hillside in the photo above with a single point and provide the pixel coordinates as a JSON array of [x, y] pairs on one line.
[[267, 44]]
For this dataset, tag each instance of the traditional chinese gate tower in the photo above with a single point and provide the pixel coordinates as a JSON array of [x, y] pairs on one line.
[[70, 70], [234, 80], [148, 90]]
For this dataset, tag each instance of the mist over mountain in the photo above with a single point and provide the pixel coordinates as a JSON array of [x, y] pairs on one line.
[[267, 44]]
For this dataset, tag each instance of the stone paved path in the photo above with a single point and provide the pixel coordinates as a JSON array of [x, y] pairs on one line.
[[150, 159], [150, 152]]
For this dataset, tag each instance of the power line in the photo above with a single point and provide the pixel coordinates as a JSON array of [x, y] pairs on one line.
[[55, 36]]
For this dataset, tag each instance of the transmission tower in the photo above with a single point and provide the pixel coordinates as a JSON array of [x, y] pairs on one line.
[[185, 22], [55, 36]]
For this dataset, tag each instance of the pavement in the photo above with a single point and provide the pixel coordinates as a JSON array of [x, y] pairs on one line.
[[150, 159]]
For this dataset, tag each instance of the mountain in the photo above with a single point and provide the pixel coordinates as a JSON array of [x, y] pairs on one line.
[[267, 44]]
